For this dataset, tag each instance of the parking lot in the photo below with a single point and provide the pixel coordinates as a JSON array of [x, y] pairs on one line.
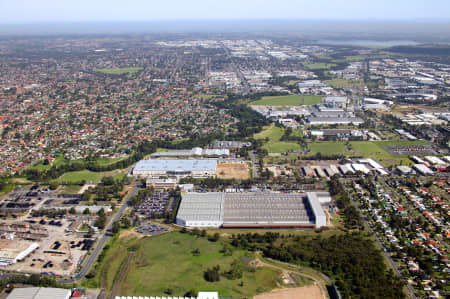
[[152, 229]]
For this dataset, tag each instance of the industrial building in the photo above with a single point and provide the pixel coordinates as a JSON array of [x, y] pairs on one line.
[[175, 168], [252, 210], [161, 184], [196, 151], [229, 144], [40, 293], [201, 295], [422, 169]]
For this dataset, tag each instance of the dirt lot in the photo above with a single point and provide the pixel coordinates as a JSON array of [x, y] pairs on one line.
[[308, 292], [233, 171]]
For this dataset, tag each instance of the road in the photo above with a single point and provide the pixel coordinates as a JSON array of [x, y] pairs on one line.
[[241, 76], [389, 258], [101, 242], [255, 164], [319, 283]]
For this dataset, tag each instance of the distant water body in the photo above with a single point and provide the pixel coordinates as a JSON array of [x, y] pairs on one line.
[[369, 43]]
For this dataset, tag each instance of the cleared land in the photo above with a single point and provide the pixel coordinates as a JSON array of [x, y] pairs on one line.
[[167, 262], [288, 101], [238, 171], [307, 292], [119, 71]]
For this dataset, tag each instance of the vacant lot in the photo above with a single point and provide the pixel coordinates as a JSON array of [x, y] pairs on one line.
[[238, 171], [119, 71], [308, 292], [167, 262], [288, 101], [272, 132]]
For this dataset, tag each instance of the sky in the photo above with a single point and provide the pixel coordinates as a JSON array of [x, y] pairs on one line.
[[38, 11]]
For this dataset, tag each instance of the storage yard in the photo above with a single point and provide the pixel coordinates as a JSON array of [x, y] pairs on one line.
[[42, 237]]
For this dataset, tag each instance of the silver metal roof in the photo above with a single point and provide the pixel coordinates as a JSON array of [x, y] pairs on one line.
[[176, 165], [39, 293]]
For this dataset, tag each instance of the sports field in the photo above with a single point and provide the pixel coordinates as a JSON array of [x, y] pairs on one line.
[[319, 66], [282, 147], [341, 83], [293, 100], [167, 262], [119, 71]]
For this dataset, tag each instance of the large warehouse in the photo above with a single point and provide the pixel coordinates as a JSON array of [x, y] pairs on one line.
[[251, 210], [175, 168]]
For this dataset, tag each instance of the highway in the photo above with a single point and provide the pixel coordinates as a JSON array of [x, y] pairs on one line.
[[389, 258], [100, 242]]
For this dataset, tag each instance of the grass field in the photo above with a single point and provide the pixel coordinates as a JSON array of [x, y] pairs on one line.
[[78, 176], [119, 71], [166, 261], [41, 167], [367, 149], [282, 147], [288, 101], [319, 66], [274, 145], [341, 83], [272, 132]]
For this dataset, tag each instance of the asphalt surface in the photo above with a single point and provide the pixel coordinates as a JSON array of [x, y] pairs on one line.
[[101, 242], [391, 261], [254, 164]]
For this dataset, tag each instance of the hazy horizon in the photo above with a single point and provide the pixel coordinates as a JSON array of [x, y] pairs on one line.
[[32, 11]]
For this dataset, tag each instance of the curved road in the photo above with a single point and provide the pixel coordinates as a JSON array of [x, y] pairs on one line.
[[101, 242]]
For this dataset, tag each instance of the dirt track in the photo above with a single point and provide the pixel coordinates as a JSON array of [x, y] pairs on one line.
[[308, 292]]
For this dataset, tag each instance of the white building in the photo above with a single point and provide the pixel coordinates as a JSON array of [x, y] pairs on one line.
[[175, 168], [40, 293]]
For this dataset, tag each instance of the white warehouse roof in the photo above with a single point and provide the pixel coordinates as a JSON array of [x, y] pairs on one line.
[[40, 293], [176, 165]]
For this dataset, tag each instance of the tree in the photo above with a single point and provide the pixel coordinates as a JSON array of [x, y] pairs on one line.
[[115, 227], [191, 293], [72, 211], [53, 185], [86, 211]]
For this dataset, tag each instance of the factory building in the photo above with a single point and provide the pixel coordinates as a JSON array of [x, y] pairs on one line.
[[196, 151], [252, 210], [175, 168], [201, 295], [40, 293], [422, 169]]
